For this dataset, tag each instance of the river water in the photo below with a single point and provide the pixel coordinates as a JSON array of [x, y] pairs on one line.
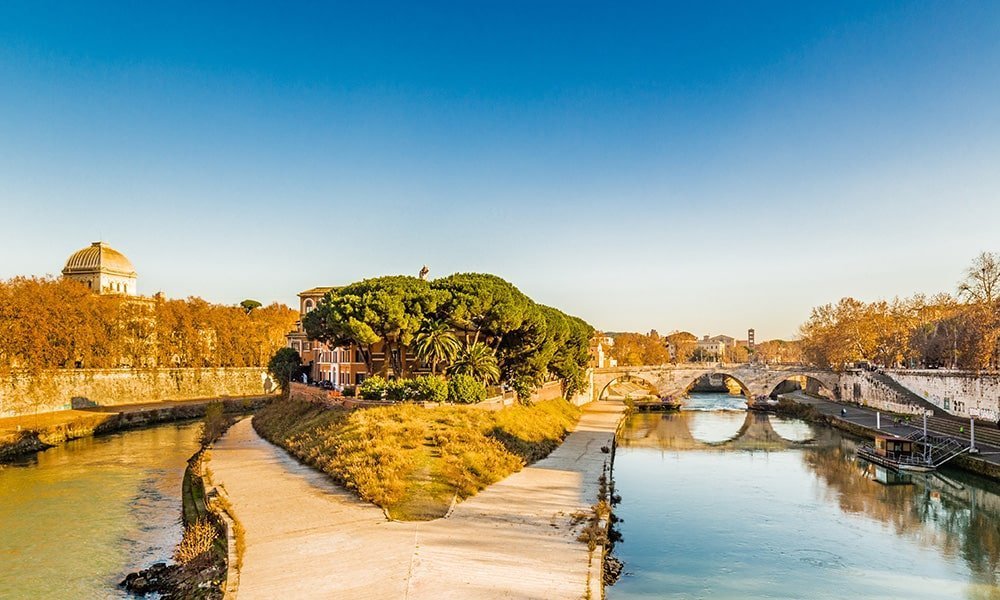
[[721, 503], [77, 518]]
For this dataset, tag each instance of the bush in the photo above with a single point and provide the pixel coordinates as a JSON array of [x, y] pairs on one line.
[[373, 388], [429, 388], [397, 390], [349, 391], [463, 389], [197, 540]]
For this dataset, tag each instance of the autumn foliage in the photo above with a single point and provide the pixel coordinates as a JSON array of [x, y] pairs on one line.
[[48, 323], [940, 331]]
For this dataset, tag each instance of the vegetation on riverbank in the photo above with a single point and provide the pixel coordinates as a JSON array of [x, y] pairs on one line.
[[413, 461]]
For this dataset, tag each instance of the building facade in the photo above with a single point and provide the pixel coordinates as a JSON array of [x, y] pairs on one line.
[[102, 269]]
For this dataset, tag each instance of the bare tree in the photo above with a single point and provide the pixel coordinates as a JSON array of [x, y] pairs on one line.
[[982, 279]]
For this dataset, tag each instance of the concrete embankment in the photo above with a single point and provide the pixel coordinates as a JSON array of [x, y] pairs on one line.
[[31, 433], [307, 537], [864, 422]]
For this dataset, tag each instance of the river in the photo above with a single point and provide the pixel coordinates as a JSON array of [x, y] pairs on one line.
[[77, 518], [721, 503]]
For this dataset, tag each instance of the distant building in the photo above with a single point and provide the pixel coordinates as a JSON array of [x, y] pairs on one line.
[[707, 346], [600, 352], [102, 269]]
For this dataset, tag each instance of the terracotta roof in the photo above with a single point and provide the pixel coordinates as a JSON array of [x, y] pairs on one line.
[[317, 291], [99, 257]]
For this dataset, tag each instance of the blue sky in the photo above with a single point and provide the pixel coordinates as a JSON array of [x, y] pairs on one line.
[[704, 166]]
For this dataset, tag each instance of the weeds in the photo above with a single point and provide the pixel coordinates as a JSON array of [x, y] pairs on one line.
[[198, 539], [411, 460]]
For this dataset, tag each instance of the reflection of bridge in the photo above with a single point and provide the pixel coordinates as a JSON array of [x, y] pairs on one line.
[[674, 380], [672, 431]]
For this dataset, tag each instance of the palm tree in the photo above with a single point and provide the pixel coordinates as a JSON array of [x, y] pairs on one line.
[[435, 343], [478, 362]]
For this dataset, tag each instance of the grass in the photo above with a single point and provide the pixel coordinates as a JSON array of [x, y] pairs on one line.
[[413, 461]]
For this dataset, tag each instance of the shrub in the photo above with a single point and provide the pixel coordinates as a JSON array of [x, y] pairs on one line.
[[397, 390], [373, 388], [428, 388], [349, 391], [197, 540], [463, 389]]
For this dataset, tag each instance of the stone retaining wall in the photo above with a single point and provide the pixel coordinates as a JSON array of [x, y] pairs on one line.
[[960, 393], [23, 393], [859, 387]]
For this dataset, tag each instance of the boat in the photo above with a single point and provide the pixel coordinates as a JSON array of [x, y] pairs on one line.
[[918, 452]]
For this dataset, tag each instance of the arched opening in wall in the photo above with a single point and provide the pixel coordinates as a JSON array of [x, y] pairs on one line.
[[309, 305], [802, 384], [628, 387]]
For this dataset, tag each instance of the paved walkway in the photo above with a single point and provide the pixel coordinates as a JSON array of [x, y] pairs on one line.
[[307, 537], [866, 417]]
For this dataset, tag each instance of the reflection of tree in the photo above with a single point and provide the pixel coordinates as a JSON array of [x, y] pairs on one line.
[[957, 521]]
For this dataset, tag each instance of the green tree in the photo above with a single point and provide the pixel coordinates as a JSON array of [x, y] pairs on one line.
[[388, 310], [284, 365], [476, 361], [435, 343], [484, 307], [250, 305]]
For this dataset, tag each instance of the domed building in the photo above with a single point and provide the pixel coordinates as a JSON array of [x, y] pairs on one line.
[[102, 269]]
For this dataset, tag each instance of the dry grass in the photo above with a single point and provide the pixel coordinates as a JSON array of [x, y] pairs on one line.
[[413, 461], [198, 539]]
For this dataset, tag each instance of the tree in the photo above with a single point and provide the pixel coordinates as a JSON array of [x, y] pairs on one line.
[[476, 361], [484, 307], [250, 305], [633, 349], [435, 343], [284, 365], [982, 279], [683, 344], [388, 310]]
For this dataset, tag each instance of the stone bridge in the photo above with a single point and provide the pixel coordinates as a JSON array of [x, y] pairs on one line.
[[675, 380]]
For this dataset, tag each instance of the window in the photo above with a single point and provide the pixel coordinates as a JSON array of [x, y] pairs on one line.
[[359, 378], [125, 288], [309, 305]]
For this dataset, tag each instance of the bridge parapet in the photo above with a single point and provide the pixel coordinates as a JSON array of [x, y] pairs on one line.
[[674, 380]]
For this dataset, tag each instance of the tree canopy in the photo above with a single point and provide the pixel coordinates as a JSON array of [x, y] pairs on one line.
[[489, 318], [932, 332]]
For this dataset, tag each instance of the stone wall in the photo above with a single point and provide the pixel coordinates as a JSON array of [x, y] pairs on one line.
[[63, 389], [860, 387], [964, 394]]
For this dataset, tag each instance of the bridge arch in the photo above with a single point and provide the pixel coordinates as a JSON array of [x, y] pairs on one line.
[[626, 378], [810, 384]]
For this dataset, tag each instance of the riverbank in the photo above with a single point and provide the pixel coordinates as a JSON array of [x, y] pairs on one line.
[[306, 536], [864, 422], [416, 462], [32, 433]]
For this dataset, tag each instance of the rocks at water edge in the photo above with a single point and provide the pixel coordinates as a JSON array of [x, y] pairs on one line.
[[201, 578]]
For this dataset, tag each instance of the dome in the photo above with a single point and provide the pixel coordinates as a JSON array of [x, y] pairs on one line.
[[99, 258]]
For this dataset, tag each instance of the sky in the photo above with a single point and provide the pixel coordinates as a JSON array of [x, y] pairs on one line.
[[705, 166]]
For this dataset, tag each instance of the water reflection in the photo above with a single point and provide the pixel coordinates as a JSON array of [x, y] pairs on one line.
[[746, 505]]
